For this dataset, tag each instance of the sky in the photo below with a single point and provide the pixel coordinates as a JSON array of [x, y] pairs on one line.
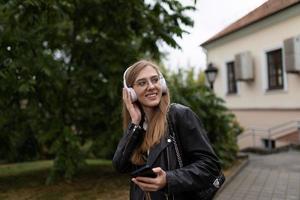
[[211, 17]]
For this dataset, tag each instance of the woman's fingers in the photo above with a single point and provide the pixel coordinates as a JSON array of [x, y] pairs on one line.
[[152, 184], [146, 179], [158, 170], [146, 186]]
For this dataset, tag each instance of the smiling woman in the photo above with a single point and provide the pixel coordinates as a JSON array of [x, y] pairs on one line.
[[164, 145]]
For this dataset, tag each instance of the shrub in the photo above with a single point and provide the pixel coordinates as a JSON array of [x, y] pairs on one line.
[[221, 125]]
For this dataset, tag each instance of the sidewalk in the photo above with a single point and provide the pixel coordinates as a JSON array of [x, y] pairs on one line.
[[266, 177]]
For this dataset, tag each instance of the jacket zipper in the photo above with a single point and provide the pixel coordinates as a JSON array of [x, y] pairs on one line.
[[168, 160]]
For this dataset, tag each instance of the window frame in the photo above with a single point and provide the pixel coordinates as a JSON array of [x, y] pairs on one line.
[[275, 70], [231, 80]]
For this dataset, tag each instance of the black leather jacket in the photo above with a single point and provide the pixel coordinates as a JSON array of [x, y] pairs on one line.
[[201, 164]]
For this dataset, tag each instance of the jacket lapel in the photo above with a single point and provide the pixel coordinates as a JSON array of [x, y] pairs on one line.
[[157, 149]]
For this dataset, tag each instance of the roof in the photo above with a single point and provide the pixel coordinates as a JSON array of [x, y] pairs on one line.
[[267, 9]]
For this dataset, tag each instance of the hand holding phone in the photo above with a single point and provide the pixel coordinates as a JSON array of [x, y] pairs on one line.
[[145, 171], [149, 184]]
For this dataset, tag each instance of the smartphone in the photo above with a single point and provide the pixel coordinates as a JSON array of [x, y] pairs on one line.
[[145, 171]]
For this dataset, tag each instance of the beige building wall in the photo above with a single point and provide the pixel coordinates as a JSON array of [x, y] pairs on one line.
[[257, 109], [253, 105], [266, 118], [254, 94]]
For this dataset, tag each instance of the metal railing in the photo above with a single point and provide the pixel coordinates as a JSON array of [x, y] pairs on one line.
[[255, 135]]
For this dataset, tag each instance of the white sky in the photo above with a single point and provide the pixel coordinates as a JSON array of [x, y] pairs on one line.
[[210, 17]]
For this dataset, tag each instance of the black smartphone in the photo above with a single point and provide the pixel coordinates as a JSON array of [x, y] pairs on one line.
[[145, 171]]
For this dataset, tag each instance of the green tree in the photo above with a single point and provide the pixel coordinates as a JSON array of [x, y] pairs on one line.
[[61, 65], [220, 123]]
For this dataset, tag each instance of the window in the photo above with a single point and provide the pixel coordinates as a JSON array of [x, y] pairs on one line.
[[275, 69], [231, 82]]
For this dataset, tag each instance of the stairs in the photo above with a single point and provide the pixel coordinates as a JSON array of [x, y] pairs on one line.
[[278, 136]]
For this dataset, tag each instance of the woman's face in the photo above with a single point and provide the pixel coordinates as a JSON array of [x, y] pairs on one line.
[[147, 87]]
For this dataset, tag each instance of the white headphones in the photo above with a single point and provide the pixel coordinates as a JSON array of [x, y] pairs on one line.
[[131, 91]]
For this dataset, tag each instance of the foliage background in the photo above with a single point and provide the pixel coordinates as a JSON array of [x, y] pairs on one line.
[[60, 68], [61, 64]]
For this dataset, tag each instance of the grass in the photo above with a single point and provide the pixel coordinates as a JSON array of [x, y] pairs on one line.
[[27, 181], [25, 167], [98, 180], [21, 168]]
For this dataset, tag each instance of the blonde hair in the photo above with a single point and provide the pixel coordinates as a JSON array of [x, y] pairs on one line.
[[157, 126]]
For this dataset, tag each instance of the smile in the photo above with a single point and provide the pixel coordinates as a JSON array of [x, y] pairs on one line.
[[152, 95]]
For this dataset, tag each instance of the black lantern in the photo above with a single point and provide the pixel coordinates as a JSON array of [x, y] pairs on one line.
[[211, 73]]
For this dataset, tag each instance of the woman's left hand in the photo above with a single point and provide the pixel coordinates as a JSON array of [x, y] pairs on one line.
[[152, 184]]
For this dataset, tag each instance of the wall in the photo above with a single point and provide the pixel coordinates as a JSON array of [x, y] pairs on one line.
[[258, 39]]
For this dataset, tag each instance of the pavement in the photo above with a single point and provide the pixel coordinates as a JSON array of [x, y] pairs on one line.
[[266, 177]]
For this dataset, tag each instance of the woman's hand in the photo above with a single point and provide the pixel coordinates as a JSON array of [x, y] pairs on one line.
[[132, 108], [152, 184]]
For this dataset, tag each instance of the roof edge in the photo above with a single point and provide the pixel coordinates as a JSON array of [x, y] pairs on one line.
[[223, 33]]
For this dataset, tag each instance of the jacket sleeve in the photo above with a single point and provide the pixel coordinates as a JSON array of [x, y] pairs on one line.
[[129, 141], [201, 165]]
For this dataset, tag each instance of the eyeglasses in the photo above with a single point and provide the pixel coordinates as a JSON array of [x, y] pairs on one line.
[[143, 83]]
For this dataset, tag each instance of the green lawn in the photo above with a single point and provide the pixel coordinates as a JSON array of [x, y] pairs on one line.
[[98, 180], [27, 181]]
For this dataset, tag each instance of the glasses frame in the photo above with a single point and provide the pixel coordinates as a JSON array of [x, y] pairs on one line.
[[145, 82]]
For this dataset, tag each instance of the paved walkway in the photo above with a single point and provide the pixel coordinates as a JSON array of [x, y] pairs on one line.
[[267, 177]]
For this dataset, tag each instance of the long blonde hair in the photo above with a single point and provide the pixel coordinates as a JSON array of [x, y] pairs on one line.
[[157, 126]]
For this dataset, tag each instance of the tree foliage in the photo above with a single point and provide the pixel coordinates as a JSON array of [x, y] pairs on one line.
[[220, 124], [61, 63]]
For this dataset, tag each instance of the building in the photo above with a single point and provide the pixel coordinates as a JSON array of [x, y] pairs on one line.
[[258, 61]]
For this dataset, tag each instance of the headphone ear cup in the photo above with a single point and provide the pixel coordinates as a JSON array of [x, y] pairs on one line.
[[163, 84], [131, 91], [132, 94]]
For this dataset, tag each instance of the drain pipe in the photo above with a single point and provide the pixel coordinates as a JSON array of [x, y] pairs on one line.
[[299, 132]]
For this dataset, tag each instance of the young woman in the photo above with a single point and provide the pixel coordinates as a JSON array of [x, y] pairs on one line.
[[162, 136]]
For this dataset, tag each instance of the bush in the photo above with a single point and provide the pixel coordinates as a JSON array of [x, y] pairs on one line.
[[221, 125]]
